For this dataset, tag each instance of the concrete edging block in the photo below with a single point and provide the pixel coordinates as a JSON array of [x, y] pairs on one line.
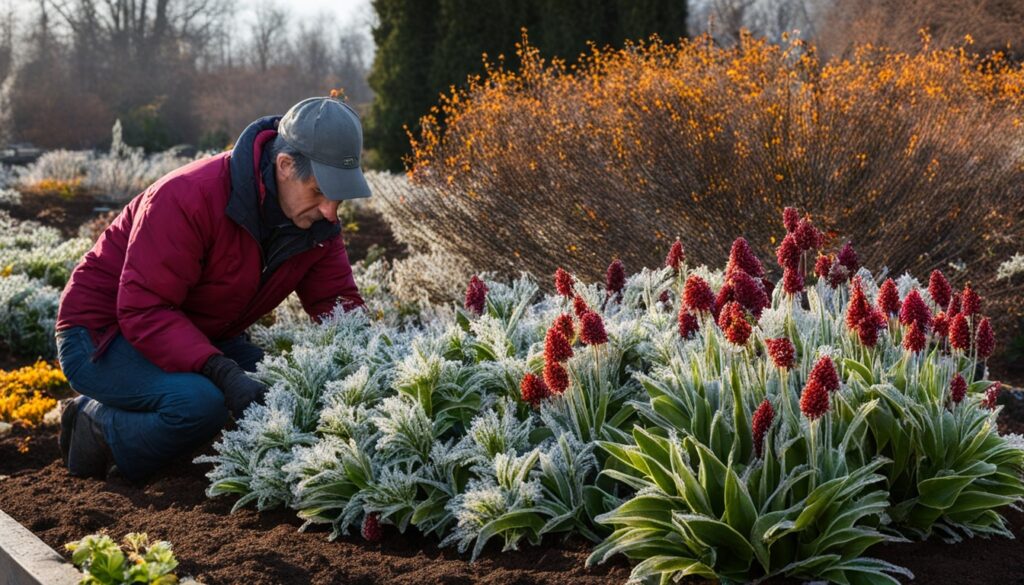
[[27, 560]]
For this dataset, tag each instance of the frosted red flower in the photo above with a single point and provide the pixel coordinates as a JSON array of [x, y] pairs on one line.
[[848, 258], [788, 253], [914, 310], [792, 281], [556, 346], [782, 352], [664, 298], [760, 423], [940, 324], [579, 306], [371, 527], [822, 265], [592, 329], [724, 297], [564, 283], [688, 323], [790, 219], [958, 389], [676, 256], [697, 295], [914, 340], [939, 289], [971, 302], [476, 295], [532, 389], [814, 400], [985, 339], [742, 258], [824, 372], [564, 324], [992, 396], [867, 329], [960, 333], [733, 322], [615, 277], [808, 237], [749, 292], [837, 274], [954, 305], [769, 287], [555, 377], [858, 308], [889, 298]]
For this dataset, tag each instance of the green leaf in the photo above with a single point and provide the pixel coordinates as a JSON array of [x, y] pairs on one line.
[[528, 519]]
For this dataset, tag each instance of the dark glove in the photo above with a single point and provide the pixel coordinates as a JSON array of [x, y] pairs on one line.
[[239, 389]]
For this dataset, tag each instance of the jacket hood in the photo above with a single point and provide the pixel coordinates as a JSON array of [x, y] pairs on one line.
[[247, 191]]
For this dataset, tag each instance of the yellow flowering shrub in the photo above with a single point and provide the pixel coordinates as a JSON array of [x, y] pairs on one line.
[[915, 157], [26, 394]]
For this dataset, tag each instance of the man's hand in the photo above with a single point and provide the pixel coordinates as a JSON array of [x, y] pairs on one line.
[[239, 389]]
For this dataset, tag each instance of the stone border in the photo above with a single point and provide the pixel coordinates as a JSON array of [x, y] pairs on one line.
[[26, 560]]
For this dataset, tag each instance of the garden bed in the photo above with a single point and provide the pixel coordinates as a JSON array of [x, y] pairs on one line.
[[248, 547]]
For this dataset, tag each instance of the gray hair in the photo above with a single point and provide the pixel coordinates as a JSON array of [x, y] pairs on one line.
[[303, 166]]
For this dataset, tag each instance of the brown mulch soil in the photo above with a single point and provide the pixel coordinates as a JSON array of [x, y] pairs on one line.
[[218, 547]]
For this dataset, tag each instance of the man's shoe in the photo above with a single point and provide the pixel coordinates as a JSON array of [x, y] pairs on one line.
[[68, 414], [88, 452]]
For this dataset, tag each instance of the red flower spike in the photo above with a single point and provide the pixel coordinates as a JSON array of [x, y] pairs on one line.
[[665, 298], [564, 324], [738, 332], [556, 346], [733, 322], [749, 293], [792, 281], [858, 308], [958, 389], [790, 219], [914, 340], [848, 258], [533, 389], [889, 298], [579, 306], [814, 400], [960, 333], [807, 236], [837, 274], [688, 323], [476, 295], [992, 396], [760, 423], [697, 294], [971, 302], [954, 306], [867, 329], [725, 296], [788, 253], [555, 377], [939, 289], [985, 339], [371, 527], [824, 373], [914, 310], [564, 283], [676, 256], [592, 329], [615, 277], [782, 352], [742, 259], [822, 265], [940, 325]]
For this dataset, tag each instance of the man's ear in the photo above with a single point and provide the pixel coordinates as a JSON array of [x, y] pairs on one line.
[[284, 164]]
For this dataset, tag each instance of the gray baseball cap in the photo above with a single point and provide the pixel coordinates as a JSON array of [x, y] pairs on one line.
[[328, 132]]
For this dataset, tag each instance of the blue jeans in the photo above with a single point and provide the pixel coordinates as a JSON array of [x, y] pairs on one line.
[[149, 416]]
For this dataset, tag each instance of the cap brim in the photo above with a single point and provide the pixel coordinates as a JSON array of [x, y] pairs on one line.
[[340, 184]]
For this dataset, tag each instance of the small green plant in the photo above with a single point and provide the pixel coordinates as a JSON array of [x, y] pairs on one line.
[[136, 560]]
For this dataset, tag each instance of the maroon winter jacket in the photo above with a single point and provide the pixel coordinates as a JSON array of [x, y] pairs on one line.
[[182, 264]]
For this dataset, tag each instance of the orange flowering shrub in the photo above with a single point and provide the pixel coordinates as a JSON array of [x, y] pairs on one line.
[[916, 157], [26, 393]]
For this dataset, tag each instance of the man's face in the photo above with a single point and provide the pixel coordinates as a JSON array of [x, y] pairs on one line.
[[302, 201]]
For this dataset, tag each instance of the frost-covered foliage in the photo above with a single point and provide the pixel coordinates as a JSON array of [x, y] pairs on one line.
[[692, 438], [1012, 267], [27, 247]]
